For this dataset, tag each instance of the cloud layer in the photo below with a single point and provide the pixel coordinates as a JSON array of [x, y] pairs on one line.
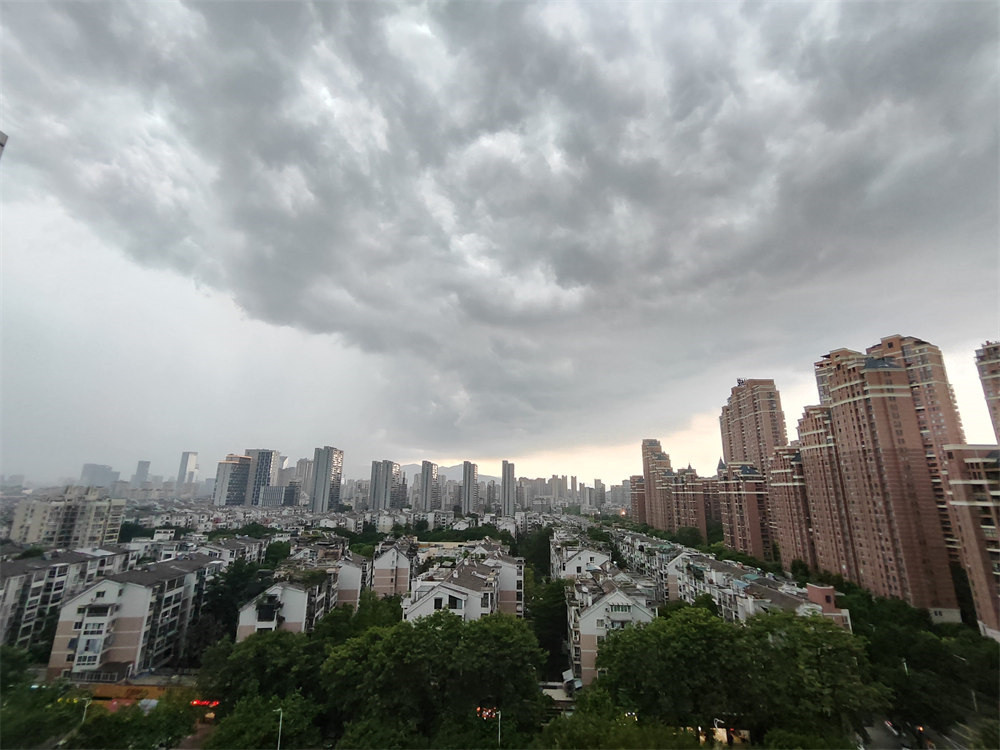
[[537, 219]]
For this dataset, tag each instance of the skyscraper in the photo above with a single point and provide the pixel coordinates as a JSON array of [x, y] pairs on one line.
[[655, 465], [988, 364], [974, 497], [752, 423], [98, 475], [188, 471], [141, 475], [231, 479], [937, 415], [263, 467], [430, 488], [888, 493], [470, 487], [327, 474], [508, 489], [387, 489]]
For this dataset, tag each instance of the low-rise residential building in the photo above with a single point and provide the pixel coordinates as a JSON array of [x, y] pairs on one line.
[[600, 602], [229, 550], [510, 582], [130, 622], [391, 569], [740, 592], [33, 589], [469, 590], [353, 575], [573, 561], [294, 605]]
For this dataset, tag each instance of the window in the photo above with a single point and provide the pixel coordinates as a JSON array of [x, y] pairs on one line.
[[438, 602], [600, 623], [99, 595], [77, 625]]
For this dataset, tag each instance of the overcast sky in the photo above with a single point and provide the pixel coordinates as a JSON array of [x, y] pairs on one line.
[[538, 231]]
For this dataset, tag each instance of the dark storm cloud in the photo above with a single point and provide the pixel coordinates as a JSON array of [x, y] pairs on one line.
[[530, 213]]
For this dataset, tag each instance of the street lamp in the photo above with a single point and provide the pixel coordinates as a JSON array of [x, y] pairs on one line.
[[975, 703], [281, 718]]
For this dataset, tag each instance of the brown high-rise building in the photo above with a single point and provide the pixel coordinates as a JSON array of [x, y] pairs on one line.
[[937, 415], [743, 502], [888, 490], [974, 487], [637, 490], [831, 527], [655, 464], [788, 507], [988, 363], [752, 423]]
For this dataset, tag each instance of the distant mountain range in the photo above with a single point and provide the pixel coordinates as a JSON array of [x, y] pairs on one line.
[[450, 472]]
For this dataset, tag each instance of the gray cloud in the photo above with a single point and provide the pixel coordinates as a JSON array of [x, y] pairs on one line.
[[530, 213]]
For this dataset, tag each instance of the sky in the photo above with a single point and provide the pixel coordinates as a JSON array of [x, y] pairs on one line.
[[471, 230]]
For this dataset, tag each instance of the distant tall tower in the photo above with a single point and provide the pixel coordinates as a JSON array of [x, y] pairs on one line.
[[508, 489], [470, 487], [430, 488], [654, 464], [387, 489], [141, 474], [888, 491], [98, 475], [752, 423], [263, 467], [328, 470], [231, 480], [988, 364], [188, 471], [637, 496]]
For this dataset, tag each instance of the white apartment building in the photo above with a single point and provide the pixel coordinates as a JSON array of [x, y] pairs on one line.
[[77, 518], [294, 606], [570, 558], [129, 622], [469, 590], [33, 589], [740, 592], [596, 605]]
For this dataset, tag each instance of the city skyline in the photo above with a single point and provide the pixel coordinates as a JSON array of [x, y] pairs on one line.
[[384, 229]]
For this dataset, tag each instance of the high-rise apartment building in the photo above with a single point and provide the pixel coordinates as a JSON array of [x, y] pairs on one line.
[[788, 507], [743, 501], [508, 489], [77, 518], [974, 499], [387, 488], [263, 471], [937, 415], [430, 487], [328, 471], [752, 423], [141, 475], [231, 480], [470, 487], [637, 497], [97, 475], [888, 491], [831, 525], [988, 364], [188, 471], [655, 464]]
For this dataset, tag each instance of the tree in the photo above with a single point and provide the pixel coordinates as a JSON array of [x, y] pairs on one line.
[[688, 536], [276, 552], [705, 601], [809, 676], [172, 719], [545, 610], [271, 663], [35, 716], [255, 719], [15, 665], [684, 670]]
